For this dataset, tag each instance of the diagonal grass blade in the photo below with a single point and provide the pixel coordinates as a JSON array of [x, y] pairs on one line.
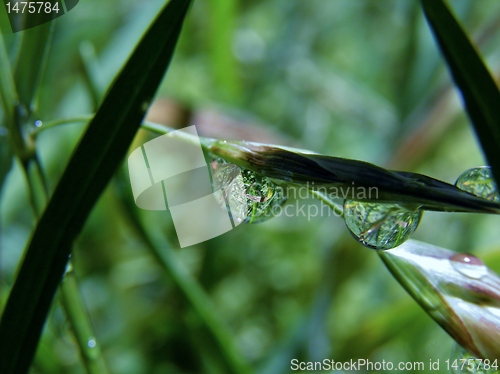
[[90, 168], [479, 91]]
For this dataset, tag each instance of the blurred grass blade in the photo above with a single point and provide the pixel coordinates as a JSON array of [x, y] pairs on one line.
[[8, 94], [5, 158], [190, 288], [90, 168], [9, 99], [31, 63], [90, 70], [223, 61], [76, 312], [457, 290], [479, 90]]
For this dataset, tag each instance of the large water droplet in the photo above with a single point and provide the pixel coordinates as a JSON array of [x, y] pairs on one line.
[[38, 123], [380, 226], [480, 182], [462, 362], [250, 197], [468, 265]]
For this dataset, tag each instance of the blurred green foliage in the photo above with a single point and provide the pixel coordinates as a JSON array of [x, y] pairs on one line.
[[356, 79]]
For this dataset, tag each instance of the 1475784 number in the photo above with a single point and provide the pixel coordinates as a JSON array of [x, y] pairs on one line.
[[472, 365], [32, 7]]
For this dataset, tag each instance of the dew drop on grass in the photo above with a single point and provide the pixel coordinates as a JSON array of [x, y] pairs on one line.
[[462, 362], [38, 123], [468, 265], [91, 343], [251, 198], [480, 182], [380, 226]]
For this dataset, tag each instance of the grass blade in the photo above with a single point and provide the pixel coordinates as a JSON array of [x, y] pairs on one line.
[[457, 290], [76, 312], [7, 93], [331, 173], [32, 60], [189, 287], [223, 61], [90, 168], [479, 90], [8, 98]]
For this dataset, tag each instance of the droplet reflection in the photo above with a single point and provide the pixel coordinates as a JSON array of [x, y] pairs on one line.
[[480, 182], [380, 226], [250, 197]]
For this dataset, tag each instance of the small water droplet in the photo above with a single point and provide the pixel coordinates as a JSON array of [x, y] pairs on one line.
[[380, 226], [468, 265], [38, 123], [462, 362], [250, 197], [480, 182], [91, 343]]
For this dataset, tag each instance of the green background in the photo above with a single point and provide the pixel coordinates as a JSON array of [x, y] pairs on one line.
[[354, 79]]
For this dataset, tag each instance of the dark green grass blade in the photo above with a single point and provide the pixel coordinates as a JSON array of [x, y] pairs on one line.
[[90, 168], [479, 90], [332, 173]]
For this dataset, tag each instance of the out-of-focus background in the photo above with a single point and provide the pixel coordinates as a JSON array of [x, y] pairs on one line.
[[356, 79]]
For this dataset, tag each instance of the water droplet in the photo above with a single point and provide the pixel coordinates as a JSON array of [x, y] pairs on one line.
[[462, 362], [38, 123], [91, 343], [380, 226], [480, 182], [251, 198], [468, 265], [3, 131]]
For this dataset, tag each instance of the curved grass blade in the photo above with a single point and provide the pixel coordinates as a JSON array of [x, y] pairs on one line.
[[457, 290], [90, 168], [333, 173], [478, 88], [328, 175]]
